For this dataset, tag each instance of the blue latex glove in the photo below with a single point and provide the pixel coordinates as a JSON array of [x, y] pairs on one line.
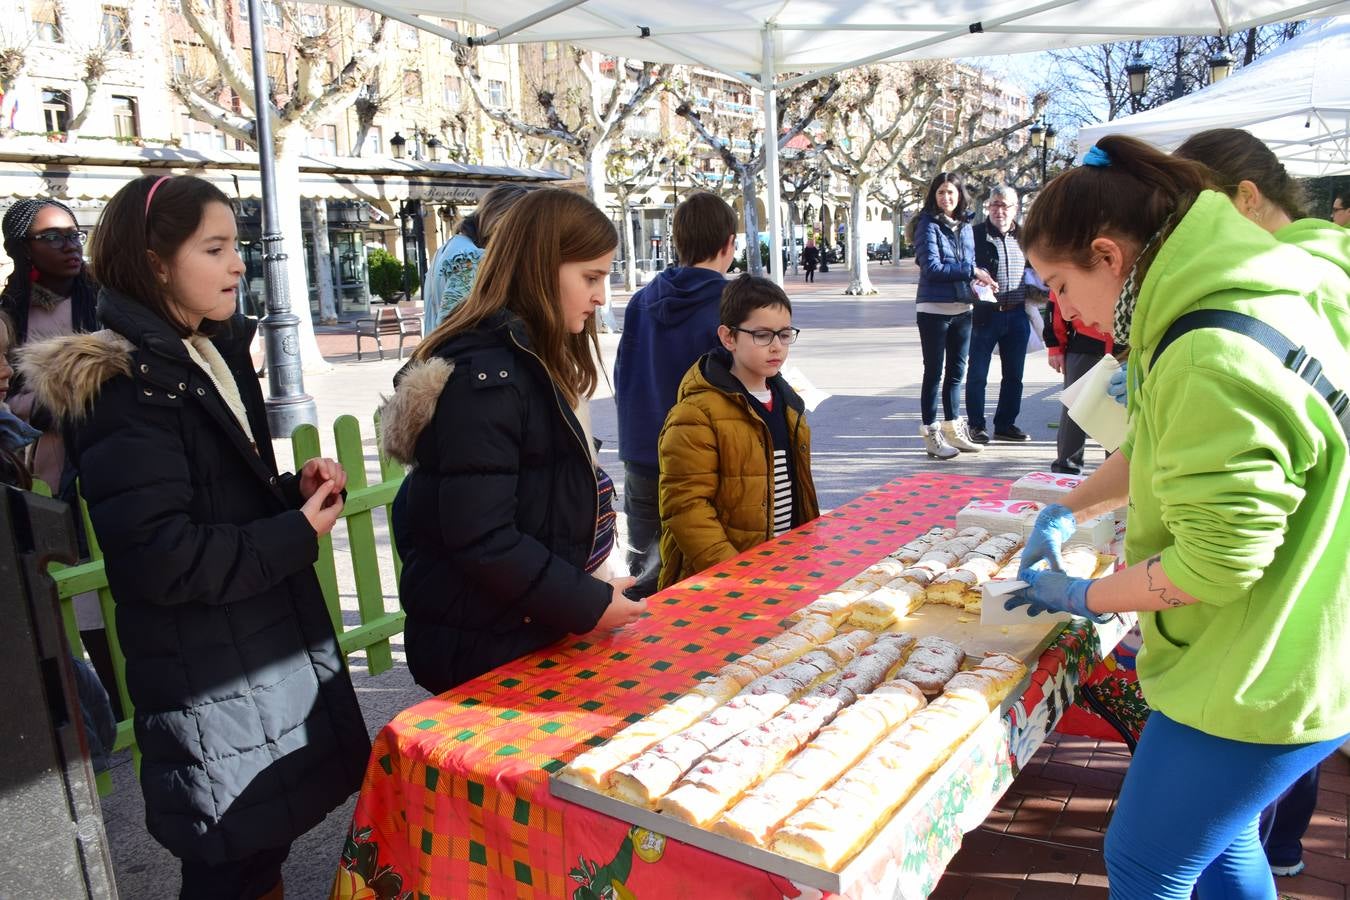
[[1116, 387], [1050, 591], [1053, 527]]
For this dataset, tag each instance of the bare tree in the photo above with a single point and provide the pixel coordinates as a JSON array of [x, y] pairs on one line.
[[314, 95], [13, 60], [880, 112], [633, 168], [586, 121], [1090, 84], [799, 176], [93, 66], [799, 105]]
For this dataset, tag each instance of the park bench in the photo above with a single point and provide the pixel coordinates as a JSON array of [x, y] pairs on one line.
[[391, 321]]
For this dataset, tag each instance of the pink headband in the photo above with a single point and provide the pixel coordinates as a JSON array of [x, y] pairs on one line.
[[150, 196]]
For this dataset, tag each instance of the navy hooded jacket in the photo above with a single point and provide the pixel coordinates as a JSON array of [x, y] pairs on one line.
[[667, 326]]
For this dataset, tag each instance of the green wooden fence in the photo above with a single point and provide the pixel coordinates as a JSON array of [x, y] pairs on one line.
[[376, 625]]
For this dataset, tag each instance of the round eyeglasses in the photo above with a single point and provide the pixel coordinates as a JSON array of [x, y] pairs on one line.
[[57, 238], [763, 337]]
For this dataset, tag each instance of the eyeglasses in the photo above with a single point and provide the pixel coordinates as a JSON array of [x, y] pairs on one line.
[[998, 204], [55, 238], [763, 337]]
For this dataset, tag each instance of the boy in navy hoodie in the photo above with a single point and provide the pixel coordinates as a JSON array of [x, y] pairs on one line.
[[667, 326]]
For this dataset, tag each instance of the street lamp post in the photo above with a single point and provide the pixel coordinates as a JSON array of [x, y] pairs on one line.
[[398, 145], [1220, 67], [1137, 71], [288, 406], [1044, 138]]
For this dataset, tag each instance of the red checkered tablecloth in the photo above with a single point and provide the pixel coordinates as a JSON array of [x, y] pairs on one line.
[[455, 802]]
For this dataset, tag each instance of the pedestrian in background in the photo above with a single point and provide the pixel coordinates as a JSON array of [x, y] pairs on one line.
[[1072, 349], [810, 259], [1001, 324], [944, 247]]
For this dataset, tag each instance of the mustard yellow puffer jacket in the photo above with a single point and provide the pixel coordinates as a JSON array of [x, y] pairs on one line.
[[716, 459]]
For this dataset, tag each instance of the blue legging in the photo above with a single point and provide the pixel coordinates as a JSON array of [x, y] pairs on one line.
[[1187, 813]]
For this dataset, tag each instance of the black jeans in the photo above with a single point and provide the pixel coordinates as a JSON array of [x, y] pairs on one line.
[[944, 339], [641, 507], [1009, 331], [1070, 440]]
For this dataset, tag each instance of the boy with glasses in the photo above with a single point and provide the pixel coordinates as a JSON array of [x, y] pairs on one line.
[[735, 451]]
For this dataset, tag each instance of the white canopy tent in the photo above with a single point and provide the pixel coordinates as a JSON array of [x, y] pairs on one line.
[[1296, 100], [755, 40]]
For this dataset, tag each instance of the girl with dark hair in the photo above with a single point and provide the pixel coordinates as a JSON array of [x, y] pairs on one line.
[[1237, 478], [245, 715], [1255, 180], [944, 247], [505, 521], [48, 294]]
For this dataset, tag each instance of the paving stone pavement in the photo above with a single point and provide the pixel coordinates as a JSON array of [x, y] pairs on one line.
[[1044, 840]]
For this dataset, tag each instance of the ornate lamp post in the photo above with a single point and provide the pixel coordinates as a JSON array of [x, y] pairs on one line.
[[398, 145], [288, 406], [1220, 67], [1138, 72], [1044, 138]]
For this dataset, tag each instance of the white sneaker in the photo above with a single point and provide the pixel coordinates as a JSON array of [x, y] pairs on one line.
[[956, 433], [932, 442]]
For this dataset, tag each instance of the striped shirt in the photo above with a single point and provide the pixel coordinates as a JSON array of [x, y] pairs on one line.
[[782, 466]]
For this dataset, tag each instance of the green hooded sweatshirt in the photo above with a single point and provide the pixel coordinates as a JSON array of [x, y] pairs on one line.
[[1329, 245], [1240, 479]]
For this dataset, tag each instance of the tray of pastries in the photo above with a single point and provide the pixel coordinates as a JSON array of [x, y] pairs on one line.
[[796, 756]]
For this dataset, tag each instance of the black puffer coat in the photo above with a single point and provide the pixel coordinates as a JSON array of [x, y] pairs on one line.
[[245, 713], [497, 516]]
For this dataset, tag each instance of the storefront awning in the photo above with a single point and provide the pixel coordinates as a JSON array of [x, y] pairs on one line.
[[96, 171]]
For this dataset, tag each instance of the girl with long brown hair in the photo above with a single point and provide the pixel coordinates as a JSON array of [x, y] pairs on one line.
[[505, 521]]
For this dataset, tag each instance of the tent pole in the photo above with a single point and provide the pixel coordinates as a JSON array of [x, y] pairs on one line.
[[288, 406], [771, 181]]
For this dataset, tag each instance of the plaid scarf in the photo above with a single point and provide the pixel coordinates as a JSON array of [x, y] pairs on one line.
[[1129, 291]]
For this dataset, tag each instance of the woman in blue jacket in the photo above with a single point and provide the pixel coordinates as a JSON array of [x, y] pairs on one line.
[[944, 248]]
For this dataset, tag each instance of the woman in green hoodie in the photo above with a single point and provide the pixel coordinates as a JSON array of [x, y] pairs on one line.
[[1237, 477], [1256, 181]]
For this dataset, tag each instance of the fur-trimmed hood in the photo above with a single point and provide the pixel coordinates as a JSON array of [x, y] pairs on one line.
[[404, 415], [67, 373]]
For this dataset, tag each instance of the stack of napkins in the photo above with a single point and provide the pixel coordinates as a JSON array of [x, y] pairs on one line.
[[1019, 516]]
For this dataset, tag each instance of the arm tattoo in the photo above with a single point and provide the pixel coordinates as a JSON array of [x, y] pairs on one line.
[[1159, 587]]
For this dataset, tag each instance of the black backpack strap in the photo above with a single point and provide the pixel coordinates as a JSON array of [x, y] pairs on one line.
[[1295, 358]]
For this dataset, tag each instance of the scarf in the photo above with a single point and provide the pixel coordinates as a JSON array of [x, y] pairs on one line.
[[1129, 291], [209, 360], [15, 433]]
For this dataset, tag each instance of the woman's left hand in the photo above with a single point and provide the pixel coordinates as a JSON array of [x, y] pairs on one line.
[[319, 470], [1051, 591]]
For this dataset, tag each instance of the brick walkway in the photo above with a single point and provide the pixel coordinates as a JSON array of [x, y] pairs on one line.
[[1044, 839]]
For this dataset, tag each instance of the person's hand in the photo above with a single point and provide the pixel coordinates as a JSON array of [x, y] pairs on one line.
[[319, 470], [621, 611], [1116, 387], [1048, 591], [1053, 527], [1056, 359], [986, 279], [323, 507]]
